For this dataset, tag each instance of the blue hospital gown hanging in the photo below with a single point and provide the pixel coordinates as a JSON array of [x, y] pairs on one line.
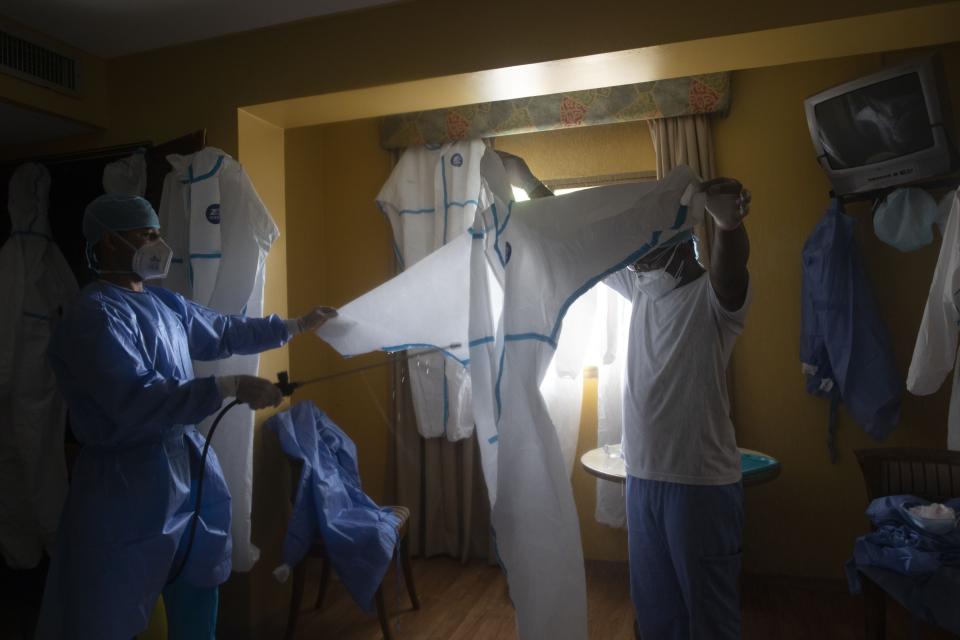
[[844, 345]]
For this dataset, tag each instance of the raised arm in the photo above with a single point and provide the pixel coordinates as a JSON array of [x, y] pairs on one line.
[[520, 175], [728, 203]]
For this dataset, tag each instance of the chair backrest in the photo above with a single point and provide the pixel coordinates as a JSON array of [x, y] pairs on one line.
[[932, 474]]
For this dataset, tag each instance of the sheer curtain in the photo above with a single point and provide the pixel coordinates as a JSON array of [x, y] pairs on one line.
[[613, 326]]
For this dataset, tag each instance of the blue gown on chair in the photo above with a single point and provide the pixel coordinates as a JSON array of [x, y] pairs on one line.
[[360, 537]]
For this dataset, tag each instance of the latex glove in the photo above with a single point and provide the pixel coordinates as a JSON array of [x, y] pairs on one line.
[[311, 321], [728, 203], [518, 172], [282, 573], [259, 393]]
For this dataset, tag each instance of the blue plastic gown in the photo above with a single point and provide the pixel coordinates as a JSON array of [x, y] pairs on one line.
[[360, 537], [123, 363], [844, 345]]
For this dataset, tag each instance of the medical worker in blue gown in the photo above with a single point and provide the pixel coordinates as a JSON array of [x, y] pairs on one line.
[[122, 357], [684, 495]]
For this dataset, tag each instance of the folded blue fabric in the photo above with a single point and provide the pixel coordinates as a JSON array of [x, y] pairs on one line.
[[899, 544]]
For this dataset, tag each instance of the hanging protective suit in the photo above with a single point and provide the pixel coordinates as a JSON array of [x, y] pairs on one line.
[[220, 233], [123, 362], [36, 284], [935, 353], [430, 198], [844, 346], [360, 537], [501, 291]]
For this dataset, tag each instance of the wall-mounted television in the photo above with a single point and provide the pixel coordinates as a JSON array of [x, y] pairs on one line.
[[884, 129]]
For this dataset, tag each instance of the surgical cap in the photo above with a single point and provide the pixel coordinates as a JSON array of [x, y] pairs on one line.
[[905, 219], [113, 212]]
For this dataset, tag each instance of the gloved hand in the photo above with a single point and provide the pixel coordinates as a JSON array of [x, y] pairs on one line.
[[251, 390], [728, 203], [310, 321], [518, 172]]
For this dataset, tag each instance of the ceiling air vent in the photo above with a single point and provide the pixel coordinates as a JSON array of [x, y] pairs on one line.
[[36, 63]]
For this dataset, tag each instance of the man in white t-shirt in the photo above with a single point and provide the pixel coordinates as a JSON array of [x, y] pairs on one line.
[[684, 496]]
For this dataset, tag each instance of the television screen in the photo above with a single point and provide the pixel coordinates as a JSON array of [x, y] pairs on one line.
[[875, 123], [882, 130]]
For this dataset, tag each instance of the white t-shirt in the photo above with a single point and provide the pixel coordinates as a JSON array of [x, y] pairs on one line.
[[676, 413]]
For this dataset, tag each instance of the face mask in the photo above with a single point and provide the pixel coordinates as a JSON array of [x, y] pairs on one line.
[[151, 261], [659, 282]]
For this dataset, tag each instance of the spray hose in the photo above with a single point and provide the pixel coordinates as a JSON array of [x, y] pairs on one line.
[[286, 388]]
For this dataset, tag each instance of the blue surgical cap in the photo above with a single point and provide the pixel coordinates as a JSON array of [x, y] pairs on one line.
[[112, 212], [905, 219]]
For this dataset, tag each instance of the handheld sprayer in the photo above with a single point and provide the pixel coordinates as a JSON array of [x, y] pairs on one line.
[[286, 388]]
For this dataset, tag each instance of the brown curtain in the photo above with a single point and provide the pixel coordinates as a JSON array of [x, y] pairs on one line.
[[686, 140], [441, 482]]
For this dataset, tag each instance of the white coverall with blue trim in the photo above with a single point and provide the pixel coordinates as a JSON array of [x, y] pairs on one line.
[[501, 291]]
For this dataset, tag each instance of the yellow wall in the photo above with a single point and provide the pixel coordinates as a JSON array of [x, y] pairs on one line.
[[804, 522], [254, 602], [339, 247]]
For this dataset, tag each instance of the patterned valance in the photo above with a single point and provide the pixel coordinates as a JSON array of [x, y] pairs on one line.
[[625, 103]]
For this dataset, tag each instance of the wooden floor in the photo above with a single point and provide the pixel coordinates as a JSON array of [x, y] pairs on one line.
[[469, 602]]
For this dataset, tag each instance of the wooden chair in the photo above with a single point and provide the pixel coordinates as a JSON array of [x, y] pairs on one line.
[[931, 474], [319, 551]]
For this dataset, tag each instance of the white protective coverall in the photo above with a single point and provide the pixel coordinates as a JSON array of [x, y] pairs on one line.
[[430, 198], [501, 290], [220, 233], [935, 354], [36, 284]]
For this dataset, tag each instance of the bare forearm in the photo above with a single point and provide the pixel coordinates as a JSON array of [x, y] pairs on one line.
[[520, 175], [728, 266]]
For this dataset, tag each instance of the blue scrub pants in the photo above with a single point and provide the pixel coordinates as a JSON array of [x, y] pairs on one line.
[[191, 611], [684, 545]]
